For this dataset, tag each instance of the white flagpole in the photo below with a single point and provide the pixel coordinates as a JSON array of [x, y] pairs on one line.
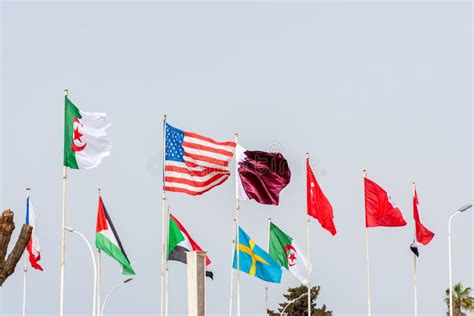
[[25, 266], [24, 282], [414, 266], [414, 284], [232, 269], [237, 208], [310, 267], [63, 236], [368, 263], [99, 272], [163, 211], [167, 264], [266, 284]]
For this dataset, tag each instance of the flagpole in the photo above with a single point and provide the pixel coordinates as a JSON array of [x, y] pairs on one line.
[[310, 267], [63, 236], [24, 282], [232, 269], [167, 265], [25, 265], [99, 271], [266, 284], [163, 211], [237, 208], [368, 263], [414, 266]]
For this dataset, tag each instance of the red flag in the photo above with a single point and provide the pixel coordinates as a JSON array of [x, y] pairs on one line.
[[317, 203], [423, 234], [379, 208]]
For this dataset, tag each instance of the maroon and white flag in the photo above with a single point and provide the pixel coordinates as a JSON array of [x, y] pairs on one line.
[[260, 175]]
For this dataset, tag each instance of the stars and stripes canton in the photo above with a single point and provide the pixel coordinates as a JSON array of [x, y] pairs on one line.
[[194, 164]]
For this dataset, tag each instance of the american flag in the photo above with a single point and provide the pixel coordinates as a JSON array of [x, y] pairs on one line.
[[194, 164]]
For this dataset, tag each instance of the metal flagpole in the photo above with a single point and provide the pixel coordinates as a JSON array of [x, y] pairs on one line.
[[232, 269], [99, 272], [414, 265], [167, 263], [266, 284], [63, 236], [163, 211], [310, 266], [368, 263], [237, 208], [25, 266]]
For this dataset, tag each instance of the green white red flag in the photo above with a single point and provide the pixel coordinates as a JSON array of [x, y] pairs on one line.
[[180, 242], [107, 239], [288, 254], [85, 138]]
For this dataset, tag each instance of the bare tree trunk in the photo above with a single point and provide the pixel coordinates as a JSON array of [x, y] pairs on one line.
[[7, 267]]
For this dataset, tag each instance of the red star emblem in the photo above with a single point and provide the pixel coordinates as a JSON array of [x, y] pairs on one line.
[[77, 136], [292, 257]]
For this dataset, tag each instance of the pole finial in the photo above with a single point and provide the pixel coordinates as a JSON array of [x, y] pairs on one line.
[[66, 92], [164, 117], [365, 173], [307, 155], [28, 189]]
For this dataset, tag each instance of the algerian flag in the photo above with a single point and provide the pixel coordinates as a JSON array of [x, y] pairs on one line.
[[285, 251], [107, 239], [85, 140]]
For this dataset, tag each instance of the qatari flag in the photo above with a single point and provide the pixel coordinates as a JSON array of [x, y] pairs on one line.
[[260, 175]]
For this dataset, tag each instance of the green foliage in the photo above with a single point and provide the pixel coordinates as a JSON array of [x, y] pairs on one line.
[[300, 306], [462, 299]]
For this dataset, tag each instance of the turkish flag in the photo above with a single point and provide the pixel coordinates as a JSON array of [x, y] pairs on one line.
[[317, 203], [379, 208], [423, 234]]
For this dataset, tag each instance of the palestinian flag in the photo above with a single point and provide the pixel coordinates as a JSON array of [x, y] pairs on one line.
[[85, 140], [180, 242], [107, 239], [287, 253]]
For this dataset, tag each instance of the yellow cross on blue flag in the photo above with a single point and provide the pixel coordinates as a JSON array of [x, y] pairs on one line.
[[255, 261]]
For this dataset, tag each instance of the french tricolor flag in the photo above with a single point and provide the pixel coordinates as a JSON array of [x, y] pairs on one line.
[[33, 246]]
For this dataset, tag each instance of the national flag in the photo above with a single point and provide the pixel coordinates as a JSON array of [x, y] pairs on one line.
[[33, 247], [180, 242], [255, 261], [107, 239], [261, 175], [317, 203], [379, 208], [194, 164], [287, 253], [85, 138], [423, 234]]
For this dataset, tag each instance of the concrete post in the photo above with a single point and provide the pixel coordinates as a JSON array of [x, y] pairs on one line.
[[196, 266]]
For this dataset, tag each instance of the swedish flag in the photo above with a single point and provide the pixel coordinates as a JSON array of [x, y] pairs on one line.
[[255, 261]]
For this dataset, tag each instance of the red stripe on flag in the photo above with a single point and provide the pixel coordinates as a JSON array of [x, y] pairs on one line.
[[196, 184], [101, 220], [217, 162], [31, 256], [190, 192], [210, 149], [207, 139], [196, 173]]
